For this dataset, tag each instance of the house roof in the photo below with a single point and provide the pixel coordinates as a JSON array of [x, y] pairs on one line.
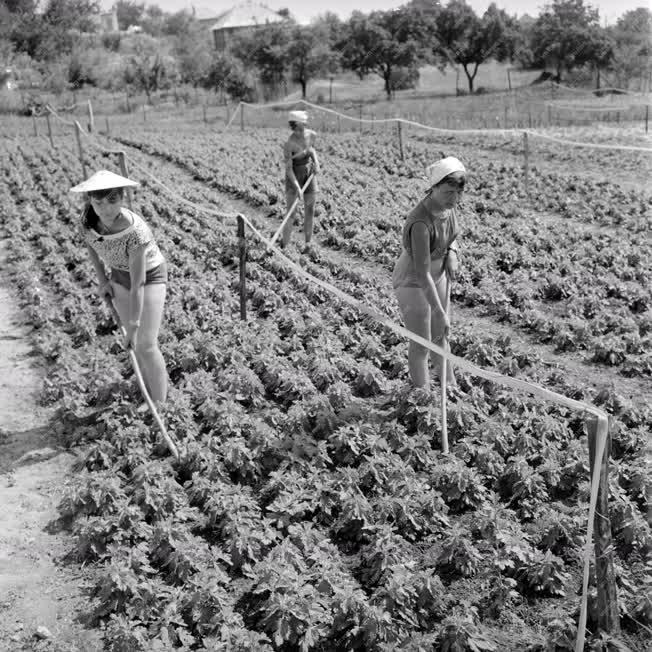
[[247, 14]]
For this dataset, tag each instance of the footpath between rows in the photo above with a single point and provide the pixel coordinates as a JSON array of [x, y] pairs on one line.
[[39, 594]]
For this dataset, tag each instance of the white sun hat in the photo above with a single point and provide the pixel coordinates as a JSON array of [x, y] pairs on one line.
[[104, 180], [298, 116], [442, 168]]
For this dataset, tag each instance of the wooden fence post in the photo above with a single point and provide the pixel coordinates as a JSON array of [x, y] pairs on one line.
[[127, 99], [47, 117], [34, 125], [361, 118], [91, 119], [144, 113], [78, 131], [549, 114], [647, 112], [122, 162], [204, 112], [241, 116], [505, 124], [339, 124], [526, 152], [400, 140], [608, 616], [108, 129], [242, 242]]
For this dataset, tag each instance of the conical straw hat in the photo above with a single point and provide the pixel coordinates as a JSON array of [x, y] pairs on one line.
[[103, 180]]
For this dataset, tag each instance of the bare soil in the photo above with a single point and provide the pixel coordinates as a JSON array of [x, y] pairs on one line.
[[39, 595]]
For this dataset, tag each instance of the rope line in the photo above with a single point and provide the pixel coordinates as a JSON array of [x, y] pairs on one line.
[[484, 132]]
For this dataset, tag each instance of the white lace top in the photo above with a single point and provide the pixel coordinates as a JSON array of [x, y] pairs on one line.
[[114, 248]]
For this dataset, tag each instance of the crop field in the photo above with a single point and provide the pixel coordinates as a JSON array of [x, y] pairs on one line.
[[311, 508]]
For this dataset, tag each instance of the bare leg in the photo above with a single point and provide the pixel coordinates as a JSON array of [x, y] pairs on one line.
[[289, 224], [416, 317], [309, 214], [150, 359]]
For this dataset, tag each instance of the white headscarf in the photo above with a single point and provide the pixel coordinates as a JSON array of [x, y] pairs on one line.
[[442, 168], [298, 116]]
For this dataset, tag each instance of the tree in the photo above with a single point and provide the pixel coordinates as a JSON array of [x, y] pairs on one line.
[[153, 20], [129, 13], [148, 68], [178, 23], [226, 73], [381, 42], [566, 35], [266, 50], [193, 54], [461, 37], [632, 49], [71, 14], [309, 55]]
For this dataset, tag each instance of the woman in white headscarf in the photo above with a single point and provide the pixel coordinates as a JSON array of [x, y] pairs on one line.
[[429, 255], [300, 162]]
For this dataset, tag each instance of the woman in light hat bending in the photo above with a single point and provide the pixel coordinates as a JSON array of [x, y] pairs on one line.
[[429, 254], [300, 162], [121, 240]]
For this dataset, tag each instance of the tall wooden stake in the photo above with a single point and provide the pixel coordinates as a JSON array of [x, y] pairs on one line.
[[444, 379], [243, 267], [526, 152], [108, 129], [361, 118], [647, 112], [34, 125], [91, 119], [78, 130], [122, 162], [204, 112], [47, 117], [241, 117], [400, 140], [608, 617]]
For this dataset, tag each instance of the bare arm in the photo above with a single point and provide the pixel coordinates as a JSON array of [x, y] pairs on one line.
[[420, 241], [289, 170], [98, 265], [313, 153]]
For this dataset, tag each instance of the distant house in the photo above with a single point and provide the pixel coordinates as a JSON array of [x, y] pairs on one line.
[[106, 21], [244, 17]]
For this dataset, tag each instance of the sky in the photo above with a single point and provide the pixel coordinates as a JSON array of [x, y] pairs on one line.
[[304, 10]]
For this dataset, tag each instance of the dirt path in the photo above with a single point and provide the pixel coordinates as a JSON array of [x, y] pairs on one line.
[[38, 596]]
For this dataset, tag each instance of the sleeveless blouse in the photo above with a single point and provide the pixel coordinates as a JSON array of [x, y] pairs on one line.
[[114, 248], [442, 233]]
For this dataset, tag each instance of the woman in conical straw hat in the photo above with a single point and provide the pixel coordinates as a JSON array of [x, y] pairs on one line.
[[429, 255], [136, 278], [300, 162]]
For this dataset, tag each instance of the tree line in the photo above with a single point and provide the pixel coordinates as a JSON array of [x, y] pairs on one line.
[[61, 44]]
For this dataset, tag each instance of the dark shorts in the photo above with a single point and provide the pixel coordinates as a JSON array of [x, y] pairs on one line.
[[301, 172], [158, 274]]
